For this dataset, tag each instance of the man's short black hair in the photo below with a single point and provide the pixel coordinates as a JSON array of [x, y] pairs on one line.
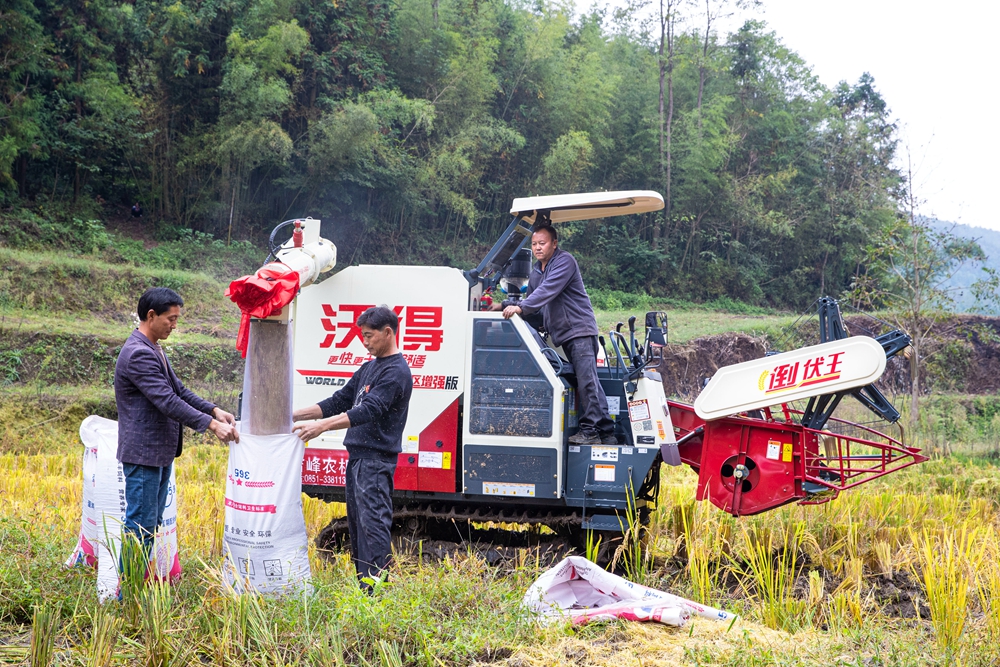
[[546, 227], [159, 300], [378, 318]]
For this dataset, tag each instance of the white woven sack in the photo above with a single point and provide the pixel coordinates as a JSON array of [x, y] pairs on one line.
[[265, 543], [110, 506], [577, 587], [85, 551]]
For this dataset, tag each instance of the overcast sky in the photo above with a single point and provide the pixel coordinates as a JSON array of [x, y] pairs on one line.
[[936, 65]]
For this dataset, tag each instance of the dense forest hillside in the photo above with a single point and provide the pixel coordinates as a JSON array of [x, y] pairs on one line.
[[409, 127]]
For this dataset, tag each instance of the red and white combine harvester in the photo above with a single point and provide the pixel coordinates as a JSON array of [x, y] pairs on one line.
[[492, 409]]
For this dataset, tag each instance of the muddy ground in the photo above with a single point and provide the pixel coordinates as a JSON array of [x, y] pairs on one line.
[[896, 596]]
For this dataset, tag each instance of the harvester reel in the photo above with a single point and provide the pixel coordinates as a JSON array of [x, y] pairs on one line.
[[831, 327]]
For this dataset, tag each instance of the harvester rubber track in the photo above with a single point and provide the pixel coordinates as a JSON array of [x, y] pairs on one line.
[[428, 520]]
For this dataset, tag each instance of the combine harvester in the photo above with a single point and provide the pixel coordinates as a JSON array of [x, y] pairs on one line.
[[492, 409]]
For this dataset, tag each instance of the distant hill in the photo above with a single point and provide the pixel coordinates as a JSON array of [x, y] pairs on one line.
[[989, 241]]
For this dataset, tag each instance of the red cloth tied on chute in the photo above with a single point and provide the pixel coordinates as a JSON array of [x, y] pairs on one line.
[[261, 295]]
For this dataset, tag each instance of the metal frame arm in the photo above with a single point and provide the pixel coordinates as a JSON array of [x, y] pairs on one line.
[[502, 251], [831, 327]]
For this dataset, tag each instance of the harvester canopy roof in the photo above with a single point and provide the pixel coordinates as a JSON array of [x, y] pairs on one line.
[[587, 205]]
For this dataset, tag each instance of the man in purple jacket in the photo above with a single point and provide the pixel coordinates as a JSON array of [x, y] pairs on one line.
[[556, 288], [372, 407], [152, 405]]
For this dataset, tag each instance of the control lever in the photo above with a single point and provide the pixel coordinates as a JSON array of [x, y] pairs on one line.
[[631, 374], [632, 351], [614, 336]]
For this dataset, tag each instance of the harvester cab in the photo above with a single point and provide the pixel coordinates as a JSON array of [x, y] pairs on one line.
[[494, 405]]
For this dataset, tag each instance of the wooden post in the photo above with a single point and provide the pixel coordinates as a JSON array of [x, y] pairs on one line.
[[270, 382]]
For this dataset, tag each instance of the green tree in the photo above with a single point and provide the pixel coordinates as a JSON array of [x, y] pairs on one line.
[[256, 93], [906, 271], [24, 58], [566, 167]]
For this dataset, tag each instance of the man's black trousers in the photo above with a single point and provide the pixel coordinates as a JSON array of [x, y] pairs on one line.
[[369, 515], [592, 404]]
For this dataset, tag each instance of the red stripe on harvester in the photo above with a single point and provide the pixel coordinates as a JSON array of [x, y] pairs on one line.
[[328, 374]]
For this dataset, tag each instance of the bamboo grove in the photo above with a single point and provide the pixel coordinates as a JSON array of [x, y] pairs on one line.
[[409, 126]]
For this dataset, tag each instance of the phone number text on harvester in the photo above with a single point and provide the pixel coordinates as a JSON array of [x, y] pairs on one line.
[[328, 468]]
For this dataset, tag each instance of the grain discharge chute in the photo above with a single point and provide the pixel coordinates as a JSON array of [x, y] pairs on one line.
[[493, 405]]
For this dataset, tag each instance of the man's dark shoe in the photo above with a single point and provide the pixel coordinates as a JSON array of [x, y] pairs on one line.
[[581, 438], [609, 439]]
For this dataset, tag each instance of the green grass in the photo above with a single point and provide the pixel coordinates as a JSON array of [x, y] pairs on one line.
[[451, 614], [462, 611], [23, 321], [686, 325], [79, 288], [78, 233]]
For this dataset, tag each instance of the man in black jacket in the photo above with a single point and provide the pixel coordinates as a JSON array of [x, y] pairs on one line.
[[373, 408], [152, 405]]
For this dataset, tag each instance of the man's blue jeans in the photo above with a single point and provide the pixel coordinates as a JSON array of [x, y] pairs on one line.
[[146, 490]]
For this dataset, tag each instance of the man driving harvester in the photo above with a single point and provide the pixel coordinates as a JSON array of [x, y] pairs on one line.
[[556, 289]]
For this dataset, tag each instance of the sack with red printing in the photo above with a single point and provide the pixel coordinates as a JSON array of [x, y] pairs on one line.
[[581, 591], [109, 512], [264, 535], [85, 552]]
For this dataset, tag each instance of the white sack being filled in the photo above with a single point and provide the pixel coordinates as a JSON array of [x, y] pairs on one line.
[[581, 591], [264, 536]]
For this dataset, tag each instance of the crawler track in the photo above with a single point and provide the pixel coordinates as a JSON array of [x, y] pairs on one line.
[[434, 531]]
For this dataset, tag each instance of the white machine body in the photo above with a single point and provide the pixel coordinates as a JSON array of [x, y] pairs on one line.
[[488, 415]]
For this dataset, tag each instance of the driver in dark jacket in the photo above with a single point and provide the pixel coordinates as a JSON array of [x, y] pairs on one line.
[[556, 289]]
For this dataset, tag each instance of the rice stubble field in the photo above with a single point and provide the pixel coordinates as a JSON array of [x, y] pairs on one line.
[[903, 571]]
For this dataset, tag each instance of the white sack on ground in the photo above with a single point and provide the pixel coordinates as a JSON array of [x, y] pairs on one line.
[[85, 552], [110, 505], [580, 590], [265, 543]]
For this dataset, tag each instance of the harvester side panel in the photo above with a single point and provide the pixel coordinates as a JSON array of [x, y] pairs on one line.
[[432, 338], [514, 413]]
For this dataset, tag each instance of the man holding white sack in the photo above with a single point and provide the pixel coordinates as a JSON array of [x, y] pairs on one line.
[[153, 404], [372, 407]]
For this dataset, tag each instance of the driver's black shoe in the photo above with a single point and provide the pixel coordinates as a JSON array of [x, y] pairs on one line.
[[581, 438]]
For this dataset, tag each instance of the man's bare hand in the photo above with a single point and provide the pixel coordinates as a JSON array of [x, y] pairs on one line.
[[224, 416], [511, 311], [223, 431], [310, 430]]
